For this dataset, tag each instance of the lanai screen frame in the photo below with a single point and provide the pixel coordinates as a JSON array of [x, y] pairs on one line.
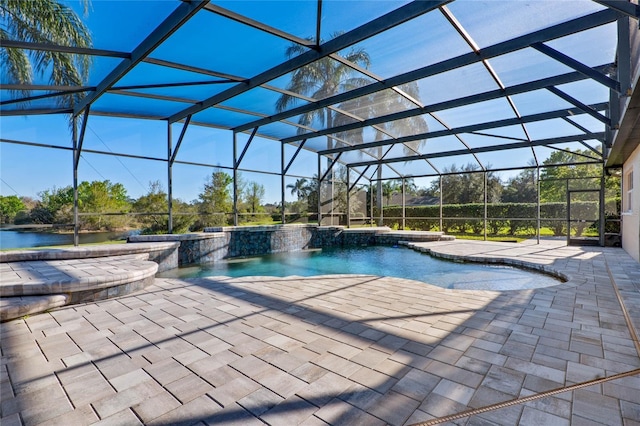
[[619, 85]]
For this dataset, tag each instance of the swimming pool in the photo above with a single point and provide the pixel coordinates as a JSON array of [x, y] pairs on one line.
[[387, 261]]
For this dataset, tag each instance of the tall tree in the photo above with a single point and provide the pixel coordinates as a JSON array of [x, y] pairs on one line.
[[24, 216], [215, 200], [300, 188], [103, 197], [45, 22], [389, 188], [241, 187], [327, 77], [307, 193], [254, 195], [321, 79], [154, 205], [388, 102], [521, 188], [410, 186], [55, 206], [465, 185], [553, 180], [10, 206], [340, 194]]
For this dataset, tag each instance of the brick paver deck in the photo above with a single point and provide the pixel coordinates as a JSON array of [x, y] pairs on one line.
[[339, 350]]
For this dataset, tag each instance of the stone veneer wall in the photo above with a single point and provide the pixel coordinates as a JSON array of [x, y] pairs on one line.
[[227, 242], [200, 247]]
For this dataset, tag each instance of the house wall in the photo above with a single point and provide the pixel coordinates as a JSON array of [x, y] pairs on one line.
[[631, 212]]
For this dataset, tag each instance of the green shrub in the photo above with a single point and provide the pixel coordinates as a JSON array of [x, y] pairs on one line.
[[512, 218]]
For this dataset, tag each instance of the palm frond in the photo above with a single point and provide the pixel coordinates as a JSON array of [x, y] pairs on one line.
[[17, 67], [295, 50], [48, 22], [322, 79]]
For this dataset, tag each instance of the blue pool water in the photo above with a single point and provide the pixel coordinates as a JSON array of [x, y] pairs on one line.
[[377, 260]]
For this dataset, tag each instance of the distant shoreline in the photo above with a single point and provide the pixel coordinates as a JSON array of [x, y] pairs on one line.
[[11, 227], [56, 229]]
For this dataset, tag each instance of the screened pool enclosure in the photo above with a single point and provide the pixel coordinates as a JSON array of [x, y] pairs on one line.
[[499, 118]]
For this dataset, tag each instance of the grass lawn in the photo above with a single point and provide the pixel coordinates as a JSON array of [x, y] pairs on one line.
[[499, 238], [265, 221]]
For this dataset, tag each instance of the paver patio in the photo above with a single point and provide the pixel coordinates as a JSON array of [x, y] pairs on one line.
[[340, 350]]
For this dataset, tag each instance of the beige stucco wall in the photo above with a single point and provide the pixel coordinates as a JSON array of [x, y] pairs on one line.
[[631, 218]]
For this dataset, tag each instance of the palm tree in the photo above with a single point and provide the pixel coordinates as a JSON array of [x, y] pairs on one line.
[[321, 79], [410, 186], [300, 189], [387, 102], [46, 22], [327, 77], [389, 188]]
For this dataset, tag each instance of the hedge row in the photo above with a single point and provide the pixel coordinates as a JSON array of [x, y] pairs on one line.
[[511, 218]]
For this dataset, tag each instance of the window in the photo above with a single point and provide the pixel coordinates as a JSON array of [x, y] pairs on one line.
[[628, 190]]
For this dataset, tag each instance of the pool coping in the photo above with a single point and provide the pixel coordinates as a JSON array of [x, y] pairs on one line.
[[508, 261]]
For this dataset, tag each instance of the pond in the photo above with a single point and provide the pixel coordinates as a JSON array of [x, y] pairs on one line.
[[376, 260], [23, 239]]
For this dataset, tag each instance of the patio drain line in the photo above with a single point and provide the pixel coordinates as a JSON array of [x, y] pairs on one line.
[[625, 313], [526, 399]]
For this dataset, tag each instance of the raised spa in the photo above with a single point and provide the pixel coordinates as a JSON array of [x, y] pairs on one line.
[[387, 261]]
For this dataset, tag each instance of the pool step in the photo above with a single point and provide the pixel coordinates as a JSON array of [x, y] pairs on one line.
[[165, 254], [18, 306], [30, 287]]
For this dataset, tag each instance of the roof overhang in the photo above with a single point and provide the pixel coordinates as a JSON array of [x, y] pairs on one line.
[[627, 138]]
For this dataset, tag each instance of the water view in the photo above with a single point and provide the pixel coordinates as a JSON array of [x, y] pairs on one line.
[[30, 238]]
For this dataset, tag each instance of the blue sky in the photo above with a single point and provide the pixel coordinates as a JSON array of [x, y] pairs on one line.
[[210, 42]]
